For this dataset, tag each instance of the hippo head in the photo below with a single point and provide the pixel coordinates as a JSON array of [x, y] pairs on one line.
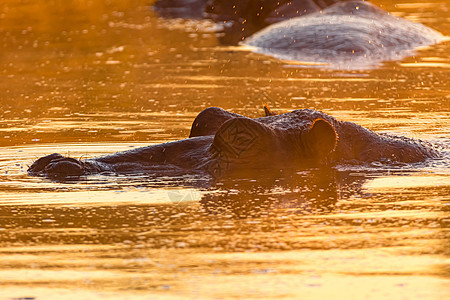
[[243, 145]]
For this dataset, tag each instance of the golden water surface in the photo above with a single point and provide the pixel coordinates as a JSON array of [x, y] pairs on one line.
[[85, 78]]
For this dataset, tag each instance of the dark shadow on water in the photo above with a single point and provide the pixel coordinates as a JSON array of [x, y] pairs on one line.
[[310, 191]]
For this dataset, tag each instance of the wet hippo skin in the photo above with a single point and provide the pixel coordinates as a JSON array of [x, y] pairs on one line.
[[339, 34], [222, 144], [261, 12], [243, 17], [343, 34], [193, 9]]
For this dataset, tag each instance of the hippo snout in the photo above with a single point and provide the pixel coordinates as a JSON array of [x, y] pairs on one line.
[[56, 164], [64, 168]]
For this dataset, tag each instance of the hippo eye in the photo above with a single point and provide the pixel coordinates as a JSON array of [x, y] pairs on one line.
[[241, 137]]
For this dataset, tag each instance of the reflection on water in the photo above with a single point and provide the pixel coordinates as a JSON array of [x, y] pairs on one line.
[[86, 78]]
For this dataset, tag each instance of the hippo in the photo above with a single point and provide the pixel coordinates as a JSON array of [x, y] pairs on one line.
[[192, 9], [243, 17], [256, 12], [351, 34], [262, 12], [225, 144], [337, 34]]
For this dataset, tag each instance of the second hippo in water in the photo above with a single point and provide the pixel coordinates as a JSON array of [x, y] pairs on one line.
[[224, 144], [241, 18], [339, 34], [349, 35]]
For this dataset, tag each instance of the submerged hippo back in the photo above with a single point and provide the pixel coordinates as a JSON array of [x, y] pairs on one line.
[[342, 33]]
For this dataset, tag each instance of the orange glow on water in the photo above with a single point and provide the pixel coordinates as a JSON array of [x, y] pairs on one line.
[[87, 78]]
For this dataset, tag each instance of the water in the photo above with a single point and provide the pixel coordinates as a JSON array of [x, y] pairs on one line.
[[86, 78]]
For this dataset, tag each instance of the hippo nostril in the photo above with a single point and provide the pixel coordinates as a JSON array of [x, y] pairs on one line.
[[43, 162]]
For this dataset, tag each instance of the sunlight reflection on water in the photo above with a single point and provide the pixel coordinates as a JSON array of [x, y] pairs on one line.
[[87, 78]]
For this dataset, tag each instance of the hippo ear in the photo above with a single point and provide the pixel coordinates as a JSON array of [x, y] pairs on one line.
[[320, 139]]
